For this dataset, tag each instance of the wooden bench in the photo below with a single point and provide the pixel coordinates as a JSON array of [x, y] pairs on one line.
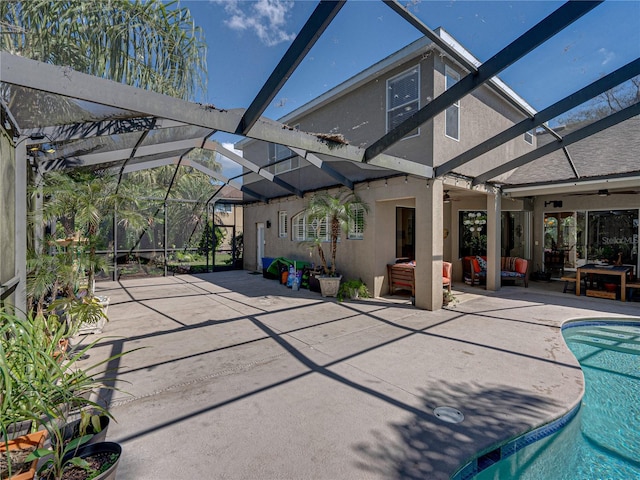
[[401, 277], [632, 286]]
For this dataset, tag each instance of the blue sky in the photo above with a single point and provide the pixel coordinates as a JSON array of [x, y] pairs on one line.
[[246, 39]]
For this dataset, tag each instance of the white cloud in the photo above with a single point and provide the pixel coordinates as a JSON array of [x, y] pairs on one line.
[[230, 147], [266, 18], [229, 167], [608, 55]]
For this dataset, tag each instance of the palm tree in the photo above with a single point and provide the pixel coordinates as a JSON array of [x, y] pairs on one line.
[[183, 183], [152, 44], [334, 212], [81, 201]]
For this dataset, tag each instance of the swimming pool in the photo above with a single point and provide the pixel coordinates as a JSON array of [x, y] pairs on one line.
[[601, 440]]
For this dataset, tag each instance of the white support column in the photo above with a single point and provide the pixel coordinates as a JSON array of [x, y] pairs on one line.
[[21, 179], [429, 246], [493, 240]]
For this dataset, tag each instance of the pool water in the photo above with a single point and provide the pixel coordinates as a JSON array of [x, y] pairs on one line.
[[603, 440]]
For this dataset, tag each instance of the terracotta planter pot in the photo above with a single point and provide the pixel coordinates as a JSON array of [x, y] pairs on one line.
[[33, 440]]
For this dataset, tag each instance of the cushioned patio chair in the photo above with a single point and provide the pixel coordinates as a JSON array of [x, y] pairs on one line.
[[446, 275]]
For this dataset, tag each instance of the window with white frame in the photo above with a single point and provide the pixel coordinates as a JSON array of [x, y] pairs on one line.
[[299, 227], [281, 158], [304, 228], [223, 208], [452, 113], [356, 223], [528, 137], [282, 224], [403, 98]]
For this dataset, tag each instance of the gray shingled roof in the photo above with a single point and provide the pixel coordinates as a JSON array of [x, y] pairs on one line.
[[612, 151]]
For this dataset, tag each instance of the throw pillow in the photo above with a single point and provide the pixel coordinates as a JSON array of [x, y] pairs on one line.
[[482, 262], [476, 265], [521, 266]]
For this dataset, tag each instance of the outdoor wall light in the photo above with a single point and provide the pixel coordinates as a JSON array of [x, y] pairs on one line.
[[603, 193], [554, 203], [446, 198], [268, 223]]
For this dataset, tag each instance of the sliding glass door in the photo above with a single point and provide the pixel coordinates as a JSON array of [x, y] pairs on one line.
[[572, 239]]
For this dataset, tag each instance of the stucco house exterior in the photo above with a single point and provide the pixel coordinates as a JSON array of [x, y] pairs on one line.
[[481, 155], [363, 109], [425, 219], [591, 221]]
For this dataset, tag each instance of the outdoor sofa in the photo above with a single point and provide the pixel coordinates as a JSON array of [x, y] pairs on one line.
[[474, 269]]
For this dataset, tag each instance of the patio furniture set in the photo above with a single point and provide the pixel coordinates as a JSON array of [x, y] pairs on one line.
[[602, 281]]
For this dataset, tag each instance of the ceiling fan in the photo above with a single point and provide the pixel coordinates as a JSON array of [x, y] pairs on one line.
[[446, 198]]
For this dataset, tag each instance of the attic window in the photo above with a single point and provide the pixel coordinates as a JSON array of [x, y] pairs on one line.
[[281, 159], [528, 137]]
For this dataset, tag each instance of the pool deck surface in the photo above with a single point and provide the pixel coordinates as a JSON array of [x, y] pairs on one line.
[[242, 378]]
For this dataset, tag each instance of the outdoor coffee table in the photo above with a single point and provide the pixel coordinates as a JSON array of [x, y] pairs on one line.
[[620, 271]]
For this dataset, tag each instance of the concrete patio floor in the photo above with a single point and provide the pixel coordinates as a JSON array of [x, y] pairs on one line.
[[242, 378]]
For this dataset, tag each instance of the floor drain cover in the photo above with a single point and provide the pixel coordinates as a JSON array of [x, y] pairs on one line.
[[448, 414]]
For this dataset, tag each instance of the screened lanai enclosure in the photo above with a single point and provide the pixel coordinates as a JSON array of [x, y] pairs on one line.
[[181, 236], [178, 191]]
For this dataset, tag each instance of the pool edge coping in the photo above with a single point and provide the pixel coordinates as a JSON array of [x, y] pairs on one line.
[[503, 450]]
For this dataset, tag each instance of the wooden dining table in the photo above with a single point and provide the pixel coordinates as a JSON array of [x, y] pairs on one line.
[[620, 271]]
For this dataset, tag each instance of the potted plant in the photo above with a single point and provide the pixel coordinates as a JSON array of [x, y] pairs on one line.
[[93, 425], [15, 460], [76, 206], [76, 459], [32, 376], [77, 449], [448, 298], [34, 387], [329, 215], [41, 387], [353, 289]]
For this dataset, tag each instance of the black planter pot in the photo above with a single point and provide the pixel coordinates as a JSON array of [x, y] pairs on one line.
[[97, 448], [71, 431], [17, 429]]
